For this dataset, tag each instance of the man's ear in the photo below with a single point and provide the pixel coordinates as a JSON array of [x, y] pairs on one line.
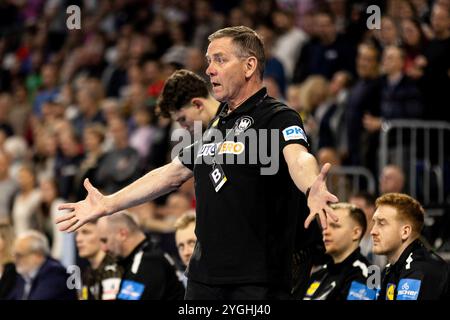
[[198, 103], [251, 64], [406, 231], [357, 233], [123, 233]]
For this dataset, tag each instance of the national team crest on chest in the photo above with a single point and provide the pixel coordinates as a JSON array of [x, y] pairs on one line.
[[242, 124]]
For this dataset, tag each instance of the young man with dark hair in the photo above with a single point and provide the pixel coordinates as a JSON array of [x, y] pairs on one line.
[[185, 98], [413, 272]]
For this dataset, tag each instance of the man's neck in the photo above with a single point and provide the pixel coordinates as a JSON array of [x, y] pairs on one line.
[[251, 88], [394, 256], [132, 242], [29, 276], [338, 258], [97, 259], [211, 106], [395, 77], [442, 35]]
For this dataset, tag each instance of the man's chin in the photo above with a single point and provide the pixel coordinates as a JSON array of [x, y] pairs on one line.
[[377, 250]]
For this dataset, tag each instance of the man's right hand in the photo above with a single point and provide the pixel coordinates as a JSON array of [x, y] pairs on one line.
[[89, 209]]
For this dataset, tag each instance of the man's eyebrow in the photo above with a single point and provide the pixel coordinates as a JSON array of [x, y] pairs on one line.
[[218, 54], [334, 224]]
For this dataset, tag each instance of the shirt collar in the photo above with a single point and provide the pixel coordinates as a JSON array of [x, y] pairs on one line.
[[338, 267], [129, 258], [250, 103], [405, 254]]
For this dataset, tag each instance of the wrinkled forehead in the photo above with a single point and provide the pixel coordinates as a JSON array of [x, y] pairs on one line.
[[220, 47]]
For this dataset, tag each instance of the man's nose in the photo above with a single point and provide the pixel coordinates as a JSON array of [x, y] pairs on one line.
[[210, 70]]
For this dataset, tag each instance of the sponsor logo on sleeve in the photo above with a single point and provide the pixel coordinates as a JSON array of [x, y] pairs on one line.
[[131, 290], [408, 289], [359, 291], [294, 133]]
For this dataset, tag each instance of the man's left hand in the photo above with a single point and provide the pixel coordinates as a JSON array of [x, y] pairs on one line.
[[319, 198]]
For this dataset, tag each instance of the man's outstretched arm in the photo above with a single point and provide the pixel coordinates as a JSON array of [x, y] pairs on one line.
[[305, 173], [149, 187]]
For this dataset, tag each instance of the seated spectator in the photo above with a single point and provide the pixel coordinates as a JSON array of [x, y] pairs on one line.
[[49, 89], [93, 137], [8, 273], [8, 187], [364, 97], [400, 97], [148, 273], [343, 278], [388, 34], [88, 99], [414, 40], [142, 136], [332, 130], [392, 179], [326, 54], [41, 277], [101, 279], [120, 166], [67, 162], [413, 272], [289, 41], [436, 77], [62, 244], [27, 201]]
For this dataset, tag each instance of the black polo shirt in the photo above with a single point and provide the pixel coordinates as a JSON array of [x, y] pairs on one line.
[[245, 231], [418, 274]]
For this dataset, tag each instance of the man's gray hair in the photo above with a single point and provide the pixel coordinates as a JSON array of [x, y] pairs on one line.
[[38, 242], [248, 44], [124, 219]]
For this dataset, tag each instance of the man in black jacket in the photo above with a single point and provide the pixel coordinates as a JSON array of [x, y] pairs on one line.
[[343, 278], [413, 272], [148, 274]]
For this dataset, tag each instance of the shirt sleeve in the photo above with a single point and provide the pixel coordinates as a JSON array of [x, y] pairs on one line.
[[187, 155], [290, 126], [411, 286]]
